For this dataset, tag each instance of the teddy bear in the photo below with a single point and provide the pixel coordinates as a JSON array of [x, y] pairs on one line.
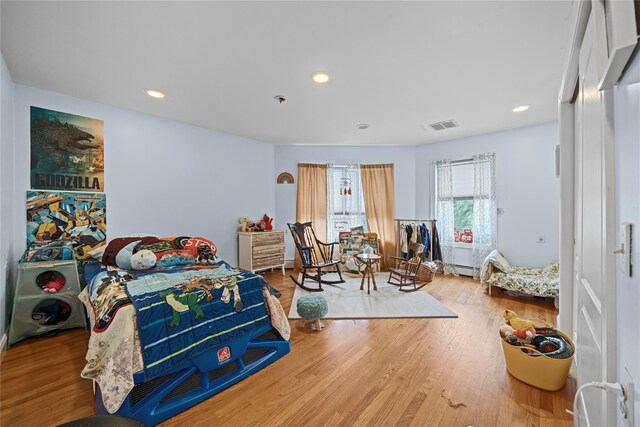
[[246, 225]]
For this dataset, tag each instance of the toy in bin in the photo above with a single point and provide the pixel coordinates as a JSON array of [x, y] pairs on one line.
[[51, 281], [51, 312], [537, 355]]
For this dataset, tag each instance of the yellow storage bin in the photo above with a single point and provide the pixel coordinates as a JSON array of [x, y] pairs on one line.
[[541, 371]]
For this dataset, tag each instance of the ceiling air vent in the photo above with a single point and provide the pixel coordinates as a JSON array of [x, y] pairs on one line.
[[447, 124]]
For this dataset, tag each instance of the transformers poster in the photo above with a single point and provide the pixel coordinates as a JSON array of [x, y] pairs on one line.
[[67, 151], [60, 215]]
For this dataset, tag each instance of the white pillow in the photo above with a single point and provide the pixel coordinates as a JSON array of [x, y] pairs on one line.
[[503, 264]]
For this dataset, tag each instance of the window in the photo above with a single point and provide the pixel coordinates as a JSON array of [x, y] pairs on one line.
[[465, 207], [345, 201], [462, 183], [462, 192]]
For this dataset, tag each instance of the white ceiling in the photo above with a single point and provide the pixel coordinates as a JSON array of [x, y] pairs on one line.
[[397, 66]]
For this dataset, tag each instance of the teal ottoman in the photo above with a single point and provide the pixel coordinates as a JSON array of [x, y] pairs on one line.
[[311, 308]]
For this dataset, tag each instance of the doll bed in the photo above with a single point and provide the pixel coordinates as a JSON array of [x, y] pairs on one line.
[[127, 316], [496, 271]]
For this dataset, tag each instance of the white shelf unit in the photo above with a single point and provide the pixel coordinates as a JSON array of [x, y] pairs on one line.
[[261, 250]]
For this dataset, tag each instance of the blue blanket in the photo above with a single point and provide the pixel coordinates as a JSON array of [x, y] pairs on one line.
[[182, 312]]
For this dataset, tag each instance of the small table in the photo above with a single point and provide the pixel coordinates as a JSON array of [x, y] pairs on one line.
[[369, 260]]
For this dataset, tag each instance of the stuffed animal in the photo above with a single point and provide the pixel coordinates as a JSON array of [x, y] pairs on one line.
[[268, 223], [246, 225], [524, 328], [205, 256], [123, 257], [143, 260], [524, 335], [516, 322], [506, 331], [54, 285]]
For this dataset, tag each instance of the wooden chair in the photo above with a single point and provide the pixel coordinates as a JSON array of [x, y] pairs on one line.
[[405, 271], [315, 255]]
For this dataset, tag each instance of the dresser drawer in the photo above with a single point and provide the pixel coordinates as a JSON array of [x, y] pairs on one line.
[[268, 261], [261, 251], [268, 239]]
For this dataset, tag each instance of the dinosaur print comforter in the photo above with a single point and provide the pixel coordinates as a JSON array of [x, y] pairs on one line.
[[179, 312], [182, 313]]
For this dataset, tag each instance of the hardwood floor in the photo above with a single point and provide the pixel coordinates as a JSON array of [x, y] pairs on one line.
[[380, 372]]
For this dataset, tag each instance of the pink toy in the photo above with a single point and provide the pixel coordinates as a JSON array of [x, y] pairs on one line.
[[55, 285]]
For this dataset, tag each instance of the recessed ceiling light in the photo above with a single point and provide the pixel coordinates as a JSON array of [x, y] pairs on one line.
[[362, 126], [520, 108], [320, 77], [154, 93]]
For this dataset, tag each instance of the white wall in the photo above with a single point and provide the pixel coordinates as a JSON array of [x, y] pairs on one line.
[[627, 206], [161, 176], [526, 186], [288, 157], [6, 193]]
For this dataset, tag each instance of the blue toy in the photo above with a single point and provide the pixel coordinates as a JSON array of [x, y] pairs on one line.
[[312, 308]]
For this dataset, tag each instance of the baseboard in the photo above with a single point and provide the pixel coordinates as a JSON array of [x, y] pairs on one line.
[[3, 347], [288, 263], [464, 270]]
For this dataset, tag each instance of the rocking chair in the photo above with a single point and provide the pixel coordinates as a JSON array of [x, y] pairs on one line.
[[405, 272], [314, 254]]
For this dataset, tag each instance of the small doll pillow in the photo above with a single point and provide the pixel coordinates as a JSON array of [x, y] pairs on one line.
[[194, 243]]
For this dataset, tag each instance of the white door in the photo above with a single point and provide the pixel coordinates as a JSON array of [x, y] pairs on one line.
[[594, 322]]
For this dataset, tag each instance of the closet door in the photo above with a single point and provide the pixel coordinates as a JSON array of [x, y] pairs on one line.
[[594, 286]]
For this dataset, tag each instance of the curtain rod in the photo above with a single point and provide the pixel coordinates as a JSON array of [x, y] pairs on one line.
[[459, 161], [348, 165], [403, 220], [462, 161]]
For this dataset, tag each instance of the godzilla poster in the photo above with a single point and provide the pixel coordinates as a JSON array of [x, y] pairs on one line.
[[67, 151]]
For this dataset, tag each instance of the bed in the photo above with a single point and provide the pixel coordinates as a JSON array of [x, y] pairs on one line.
[[539, 282], [165, 339]]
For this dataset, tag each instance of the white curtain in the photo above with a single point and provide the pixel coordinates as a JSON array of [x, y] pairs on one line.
[[485, 222], [345, 203], [445, 214]]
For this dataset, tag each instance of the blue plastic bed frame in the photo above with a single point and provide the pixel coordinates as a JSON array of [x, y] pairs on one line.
[[199, 378]]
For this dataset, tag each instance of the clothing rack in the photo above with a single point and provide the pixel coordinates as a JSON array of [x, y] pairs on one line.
[[401, 222]]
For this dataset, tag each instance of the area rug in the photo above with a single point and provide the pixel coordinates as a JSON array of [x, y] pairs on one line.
[[347, 301]]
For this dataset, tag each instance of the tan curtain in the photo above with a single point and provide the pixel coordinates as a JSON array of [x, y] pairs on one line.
[[379, 206], [312, 199]]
